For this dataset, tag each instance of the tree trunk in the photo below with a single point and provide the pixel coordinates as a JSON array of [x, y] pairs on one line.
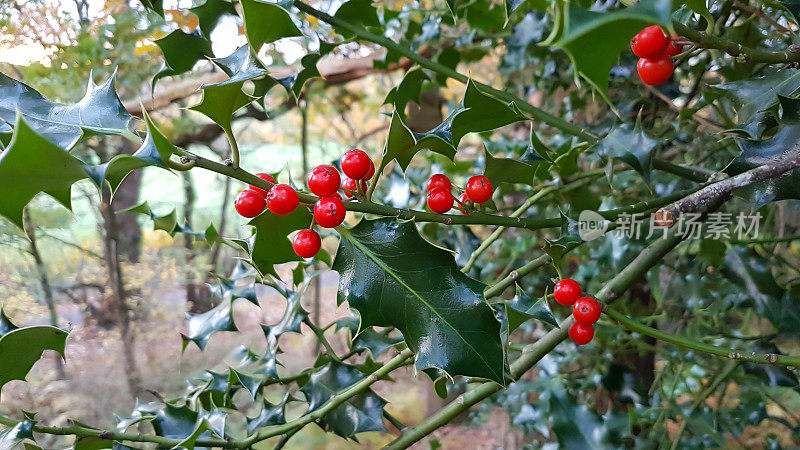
[[196, 292], [130, 234], [44, 282], [119, 300]]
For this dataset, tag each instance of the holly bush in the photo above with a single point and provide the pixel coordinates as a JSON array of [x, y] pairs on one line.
[[670, 205]]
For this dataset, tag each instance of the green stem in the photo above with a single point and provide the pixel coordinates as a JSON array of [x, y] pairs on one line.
[[234, 147], [84, 432], [335, 401], [763, 241], [681, 341], [322, 339], [648, 258], [721, 376], [475, 218], [706, 40]]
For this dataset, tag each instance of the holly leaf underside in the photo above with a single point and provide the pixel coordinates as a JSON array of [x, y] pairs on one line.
[[99, 112], [631, 145], [393, 277]]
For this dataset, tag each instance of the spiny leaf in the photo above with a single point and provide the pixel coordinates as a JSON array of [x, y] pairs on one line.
[[202, 326], [780, 147], [210, 11], [99, 112], [409, 89], [242, 65], [32, 164], [360, 413], [522, 308], [290, 322], [594, 40], [268, 414], [358, 12], [477, 112], [12, 436], [169, 222], [271, 244], [393, 277], [368, 338], [220, 102], [631, 145], [509, 170], [181, 52], [266, 22], [21, 348], [754, 95]]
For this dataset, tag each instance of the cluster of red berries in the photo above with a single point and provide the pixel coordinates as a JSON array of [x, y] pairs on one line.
[[440, 197], [655, 50], [281, 199], [586, 310], [324, 181]]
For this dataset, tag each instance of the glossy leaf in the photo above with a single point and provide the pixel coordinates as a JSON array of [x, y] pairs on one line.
[[631, 145], [266, 22], [409, 89], [203, 325], [754, 95], [509, 170], [271, 244], [360, 413], [477, 112], [21, 348], [220, 102], [358, 12], [290, 322], [99, 112], [594, 40], [210, 11], [393, 277], [181, 52], [11, 437], [268, 414], [780, 147], [368, 338], [522, 308]]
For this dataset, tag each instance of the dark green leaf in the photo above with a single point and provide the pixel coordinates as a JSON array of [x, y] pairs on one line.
[[594, 40], [754, 95], [631, 145], [210, 11], [266, 22], [522, 308], [368, 338], [509, 170], [360, 413], [220, 101], [409, 89], [21, 348], [99, 112], [358, 12], [393, 277], [202, 326], [268, 414], [271, 244], [181, 52], [780, 147], [11, 437]]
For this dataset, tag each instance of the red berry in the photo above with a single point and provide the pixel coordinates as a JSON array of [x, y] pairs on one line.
[[306, 243], [350, 185], [567, 291], [438, 181], [355, 164], [249, 203], [282, 199], [324, 180], [329, 212], [440, 200], [586, 310], [463, 198], [650, 42], [371, 171], [581, 333], [479, 189], [674, 49], [265, 177], [655, 71]]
